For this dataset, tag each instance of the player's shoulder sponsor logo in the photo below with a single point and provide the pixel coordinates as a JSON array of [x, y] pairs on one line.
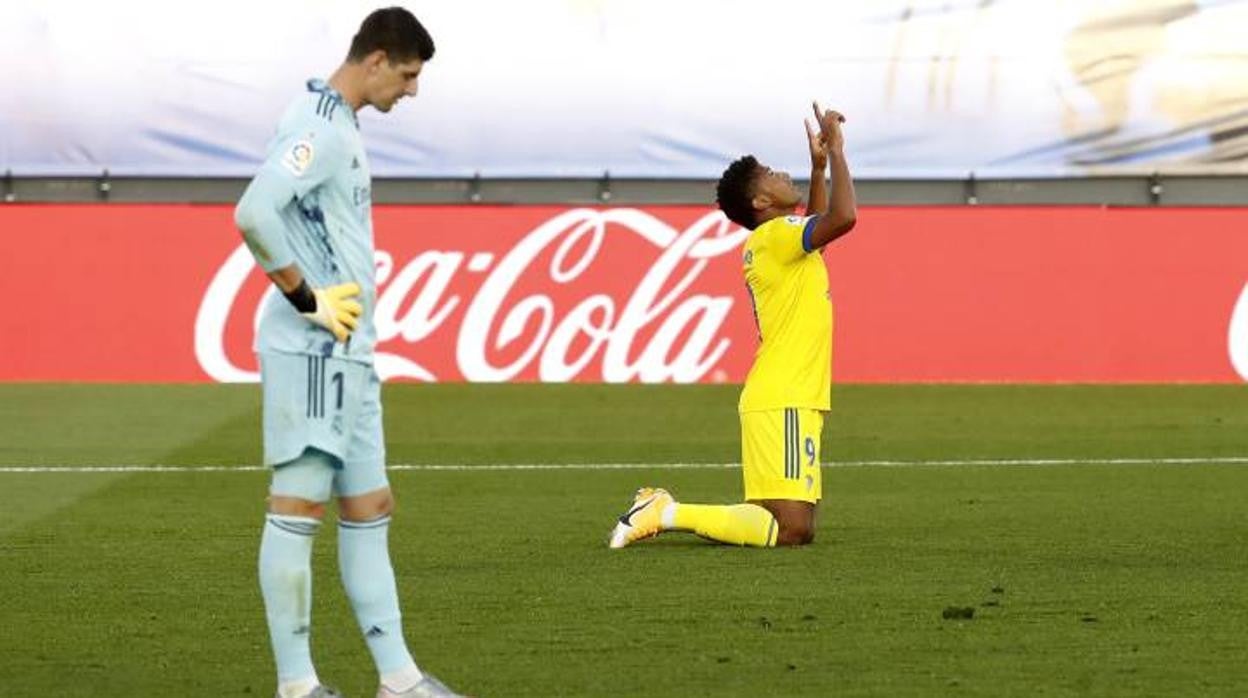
[[299, 158], [795, 220]]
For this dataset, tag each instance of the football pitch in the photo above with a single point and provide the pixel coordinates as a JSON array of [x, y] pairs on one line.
[[1096, 536]]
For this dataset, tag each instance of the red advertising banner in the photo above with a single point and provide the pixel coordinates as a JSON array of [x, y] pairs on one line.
[[540, 293]]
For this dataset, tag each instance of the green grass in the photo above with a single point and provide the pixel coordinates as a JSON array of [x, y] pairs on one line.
[[1110, 580]]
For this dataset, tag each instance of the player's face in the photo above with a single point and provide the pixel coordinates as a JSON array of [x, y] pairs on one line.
[[777, 188], [390, 82]]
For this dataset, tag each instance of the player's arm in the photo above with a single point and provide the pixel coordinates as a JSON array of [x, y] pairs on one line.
[[842, 210], [259, 218]]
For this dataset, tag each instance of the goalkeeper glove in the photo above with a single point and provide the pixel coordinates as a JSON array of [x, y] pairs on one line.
[[334, 307]]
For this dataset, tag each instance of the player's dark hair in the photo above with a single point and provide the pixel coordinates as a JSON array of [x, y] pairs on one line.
[[735, 191], [395, 31]]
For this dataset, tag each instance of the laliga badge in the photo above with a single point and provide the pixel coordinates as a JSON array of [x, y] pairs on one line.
[[299, 158]]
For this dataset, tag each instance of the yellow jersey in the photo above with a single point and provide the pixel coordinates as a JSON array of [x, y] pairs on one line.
[[788, 286]]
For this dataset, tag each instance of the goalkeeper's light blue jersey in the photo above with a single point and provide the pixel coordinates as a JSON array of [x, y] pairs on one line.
[[315, 176]]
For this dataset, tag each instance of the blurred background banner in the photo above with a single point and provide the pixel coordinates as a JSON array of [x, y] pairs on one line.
[[642, 88], [646, 295]]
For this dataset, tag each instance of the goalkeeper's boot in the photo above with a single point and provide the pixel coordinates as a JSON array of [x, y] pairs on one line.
[[320, 692], [644, 519], [427, 687]]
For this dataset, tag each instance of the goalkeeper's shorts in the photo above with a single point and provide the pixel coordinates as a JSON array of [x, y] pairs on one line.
[[329, 407], [780, 454]]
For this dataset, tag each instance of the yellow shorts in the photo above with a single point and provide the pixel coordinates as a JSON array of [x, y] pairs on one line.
[[780, 454]]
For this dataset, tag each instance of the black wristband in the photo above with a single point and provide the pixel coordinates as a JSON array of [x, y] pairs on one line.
[[302, 298]]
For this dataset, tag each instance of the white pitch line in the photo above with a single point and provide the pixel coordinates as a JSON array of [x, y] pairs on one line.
[[1228, 460]]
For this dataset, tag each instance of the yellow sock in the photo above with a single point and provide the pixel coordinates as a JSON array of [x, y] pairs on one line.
[[735, 524]]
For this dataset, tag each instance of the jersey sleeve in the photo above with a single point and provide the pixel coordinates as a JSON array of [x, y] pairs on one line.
[[305, 158], [789, 237], [297, 164]]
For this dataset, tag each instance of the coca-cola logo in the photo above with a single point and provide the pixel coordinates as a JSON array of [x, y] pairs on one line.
[[1237, 335], [661, 329]]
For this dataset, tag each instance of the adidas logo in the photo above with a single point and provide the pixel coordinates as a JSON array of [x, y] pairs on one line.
[[374, 632], [355, 163]]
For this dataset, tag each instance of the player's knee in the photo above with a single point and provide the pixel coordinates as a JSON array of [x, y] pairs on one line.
[[795, 520], [296, 506], [795, 530], [810, 535], [366, 507]]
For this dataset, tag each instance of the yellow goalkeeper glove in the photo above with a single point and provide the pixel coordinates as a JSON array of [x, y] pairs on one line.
[[337, 309]]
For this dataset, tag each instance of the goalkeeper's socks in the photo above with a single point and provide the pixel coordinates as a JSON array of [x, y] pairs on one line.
[[286, 583], [735, 524], [364, 560]]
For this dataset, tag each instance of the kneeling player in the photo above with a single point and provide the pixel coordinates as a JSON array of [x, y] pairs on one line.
[[788, 389]]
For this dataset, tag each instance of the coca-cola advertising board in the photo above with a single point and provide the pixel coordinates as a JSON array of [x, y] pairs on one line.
[[167, 293]]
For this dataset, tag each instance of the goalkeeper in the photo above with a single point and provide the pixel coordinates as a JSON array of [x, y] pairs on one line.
[[307, 219]]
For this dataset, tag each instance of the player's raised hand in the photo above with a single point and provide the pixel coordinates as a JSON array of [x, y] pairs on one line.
[[830, 126], [818, 148]]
